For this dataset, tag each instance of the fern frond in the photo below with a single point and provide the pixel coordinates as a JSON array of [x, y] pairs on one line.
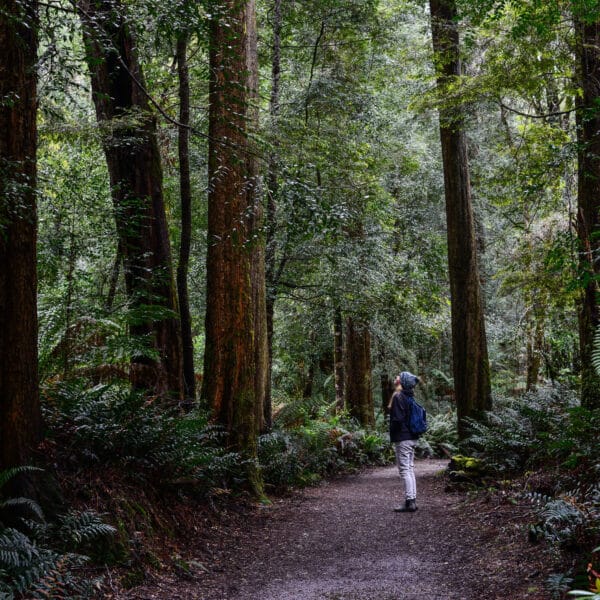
[[7, 474], [27, 503]]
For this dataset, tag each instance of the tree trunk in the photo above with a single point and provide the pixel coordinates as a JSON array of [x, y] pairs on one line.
[[535, 348], [272, 191], [358, 385], [234, 363], [114, 279], [20, 420], [338, 358], [469, 347], [185, 188], [588, 215], [135, 170]]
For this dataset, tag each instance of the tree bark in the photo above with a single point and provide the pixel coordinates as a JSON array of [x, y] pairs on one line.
[[535, 348], [20, 419], [234, 358], [114, 278], [469, 346], [271, 217], [358, 384], [338, 357], [185, 190], [135, 171], [588, 201]]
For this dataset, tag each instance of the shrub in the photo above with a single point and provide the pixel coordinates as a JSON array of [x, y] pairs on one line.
[[308, 443], [441, 437], [520, 433], [110, 424], [40, 559]]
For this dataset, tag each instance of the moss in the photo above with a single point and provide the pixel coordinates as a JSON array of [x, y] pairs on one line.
[[467, 464]]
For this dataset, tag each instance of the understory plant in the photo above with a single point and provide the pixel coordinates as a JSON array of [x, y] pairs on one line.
[[41, 559], [110, 424], [441, 437], [310, 441], [547, 432]]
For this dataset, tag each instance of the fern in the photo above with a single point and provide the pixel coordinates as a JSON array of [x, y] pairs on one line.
[[8, 474], [596, 351], [38, 562]]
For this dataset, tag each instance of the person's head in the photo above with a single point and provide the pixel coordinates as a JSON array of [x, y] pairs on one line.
[[397, 383], [408, 381]]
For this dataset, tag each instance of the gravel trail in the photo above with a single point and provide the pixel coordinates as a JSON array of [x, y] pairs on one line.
[[342, 541]]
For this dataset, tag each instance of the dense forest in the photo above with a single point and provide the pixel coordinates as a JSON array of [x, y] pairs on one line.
[[227, 225]]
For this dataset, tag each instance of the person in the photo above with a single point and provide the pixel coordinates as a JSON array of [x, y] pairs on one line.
[[403, 439]]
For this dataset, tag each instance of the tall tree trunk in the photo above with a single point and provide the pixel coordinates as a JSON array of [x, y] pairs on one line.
[[469, 346], [234, 369], [338, 357], [358, 384], [535, 348], [272, 191], [588, 215], [20, 420], [385, 382], [135, 170], [185, 188], [114, 278]]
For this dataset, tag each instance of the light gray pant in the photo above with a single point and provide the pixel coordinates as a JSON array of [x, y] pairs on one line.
[[405, 459]]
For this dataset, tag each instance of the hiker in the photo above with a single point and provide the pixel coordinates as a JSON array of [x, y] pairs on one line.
[[403, 438]]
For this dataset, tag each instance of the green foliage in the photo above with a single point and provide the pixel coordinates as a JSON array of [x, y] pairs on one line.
[[302, 449], [441, 437], [40, 559], [594, 580], [111, 424], [563, 522], [522, 433]]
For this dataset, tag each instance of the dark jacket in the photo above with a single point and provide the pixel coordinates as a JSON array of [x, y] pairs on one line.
[[399, 417]]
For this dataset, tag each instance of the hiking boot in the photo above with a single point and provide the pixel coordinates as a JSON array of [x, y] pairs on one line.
[[409, 506]]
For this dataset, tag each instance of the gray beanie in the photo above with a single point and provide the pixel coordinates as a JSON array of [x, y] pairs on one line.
[[408, 381]]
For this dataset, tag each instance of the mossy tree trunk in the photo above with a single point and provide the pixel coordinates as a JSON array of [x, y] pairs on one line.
[[235, 357], [135, 170], [469, 346], [20, 420], [358, 388], [588, 194]]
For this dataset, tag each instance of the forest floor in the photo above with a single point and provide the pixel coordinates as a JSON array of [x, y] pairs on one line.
[[342, 541]]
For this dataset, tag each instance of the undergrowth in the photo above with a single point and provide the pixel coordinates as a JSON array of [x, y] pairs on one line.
[[310, 441], [550, 438], [113, 425], [42, 559]]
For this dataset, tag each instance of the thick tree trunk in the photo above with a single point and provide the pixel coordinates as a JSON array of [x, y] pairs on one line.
[[272, 191], [358, 384], [469, 346], [262, 374], [185, 191], [338, 357], [234, 363], [135, 170], [20, 420], [588, 215]]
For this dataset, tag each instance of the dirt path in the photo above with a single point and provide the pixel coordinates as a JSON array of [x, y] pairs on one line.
[[342, 541]]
